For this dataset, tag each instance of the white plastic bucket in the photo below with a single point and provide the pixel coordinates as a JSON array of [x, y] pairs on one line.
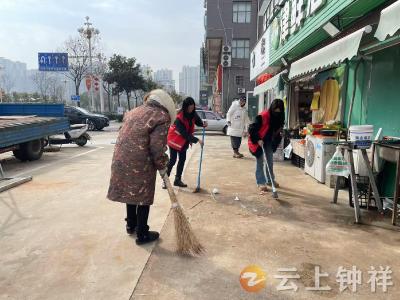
[[362, 135]]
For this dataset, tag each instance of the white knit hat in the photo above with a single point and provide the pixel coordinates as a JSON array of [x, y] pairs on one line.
[[165, 100]]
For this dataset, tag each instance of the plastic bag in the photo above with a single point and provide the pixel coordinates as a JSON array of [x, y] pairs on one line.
[[288, 151], [338, 165]]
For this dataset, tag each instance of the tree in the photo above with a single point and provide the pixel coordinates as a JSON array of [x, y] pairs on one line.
[[150, 85], [108, 89], [7, 82], [125, 73], [85, 101], [110, 86], [56, 90], [42, 82], [78, 59], [178, 99]]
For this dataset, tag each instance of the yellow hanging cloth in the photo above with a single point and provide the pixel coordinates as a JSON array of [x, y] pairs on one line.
[[315, 101]]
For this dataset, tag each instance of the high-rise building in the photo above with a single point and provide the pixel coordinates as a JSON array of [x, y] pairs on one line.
[[146, 71], [164, 77], [13, 76], [189, 82], [231, 33]]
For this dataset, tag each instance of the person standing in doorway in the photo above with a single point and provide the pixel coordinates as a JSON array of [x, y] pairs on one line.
[[180, 136], [265, 136], [238, 122], [138, 154]]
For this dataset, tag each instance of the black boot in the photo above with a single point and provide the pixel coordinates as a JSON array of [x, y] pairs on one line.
[[144, 236], [148, 237], [130, 227], [178, 182]]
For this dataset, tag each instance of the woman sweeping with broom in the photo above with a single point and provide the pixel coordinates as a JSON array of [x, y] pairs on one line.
[[265, 136], [139, 153], [180, 136]]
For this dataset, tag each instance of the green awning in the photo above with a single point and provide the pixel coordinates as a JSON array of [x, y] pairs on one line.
[[335, 53]]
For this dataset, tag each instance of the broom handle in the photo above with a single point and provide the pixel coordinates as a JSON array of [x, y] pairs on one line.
[[269, 171], [201, 158], [170, 189]]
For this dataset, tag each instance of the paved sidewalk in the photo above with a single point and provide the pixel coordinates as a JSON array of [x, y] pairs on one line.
[[301, 230], [59, 236]]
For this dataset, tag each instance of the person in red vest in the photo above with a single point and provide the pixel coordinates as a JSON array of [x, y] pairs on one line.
[[180, 136], [264, 138]]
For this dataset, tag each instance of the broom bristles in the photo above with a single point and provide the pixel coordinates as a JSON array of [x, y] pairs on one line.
[[187, 242]]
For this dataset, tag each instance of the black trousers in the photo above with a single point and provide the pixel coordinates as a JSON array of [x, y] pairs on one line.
[[236, 142], [137, 216], [173, 155]]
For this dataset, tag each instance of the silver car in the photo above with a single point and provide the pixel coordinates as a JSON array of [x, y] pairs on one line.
[[214, 120]]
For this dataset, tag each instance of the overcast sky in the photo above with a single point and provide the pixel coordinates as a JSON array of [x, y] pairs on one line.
[[160, 33]]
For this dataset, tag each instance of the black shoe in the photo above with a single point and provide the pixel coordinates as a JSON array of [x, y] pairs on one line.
[[149, 237], [163, 185], [178, 182]]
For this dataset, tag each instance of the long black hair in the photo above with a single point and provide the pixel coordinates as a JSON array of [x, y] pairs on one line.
[[185, 104], [277, 119]]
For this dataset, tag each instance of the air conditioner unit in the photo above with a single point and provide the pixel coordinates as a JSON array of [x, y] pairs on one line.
[[226, 59], [226, 49], [241, 91]]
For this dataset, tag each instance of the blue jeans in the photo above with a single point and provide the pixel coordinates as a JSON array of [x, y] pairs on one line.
[[262, 177]]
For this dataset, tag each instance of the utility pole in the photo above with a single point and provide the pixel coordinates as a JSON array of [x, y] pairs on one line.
[[89, 31], [65, 92], [1, 90]]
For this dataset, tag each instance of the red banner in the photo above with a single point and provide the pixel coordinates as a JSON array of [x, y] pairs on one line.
[[219, 79], [88, 83]]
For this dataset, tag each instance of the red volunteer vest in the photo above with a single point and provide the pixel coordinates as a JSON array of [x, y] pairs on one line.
[[262, 132], [175, 139]]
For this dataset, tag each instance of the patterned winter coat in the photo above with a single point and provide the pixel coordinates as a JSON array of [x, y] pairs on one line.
[[138, 154]]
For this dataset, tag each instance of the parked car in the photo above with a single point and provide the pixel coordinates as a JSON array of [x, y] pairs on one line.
[[79, 115], [214, 120]]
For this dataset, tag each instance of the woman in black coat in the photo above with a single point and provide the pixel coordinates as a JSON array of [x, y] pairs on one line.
[[268, 123]]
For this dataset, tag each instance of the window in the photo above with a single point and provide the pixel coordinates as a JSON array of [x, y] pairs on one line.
[[210, 116], [239, 80], [240, 48], [241, 12]]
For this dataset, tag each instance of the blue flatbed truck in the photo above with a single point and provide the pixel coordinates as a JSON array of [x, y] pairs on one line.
[[25, 127]]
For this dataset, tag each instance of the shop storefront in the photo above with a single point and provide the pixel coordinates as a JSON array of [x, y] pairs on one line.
[[336, 64]]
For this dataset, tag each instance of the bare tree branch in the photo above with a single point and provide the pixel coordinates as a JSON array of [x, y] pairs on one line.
[[7, 82]]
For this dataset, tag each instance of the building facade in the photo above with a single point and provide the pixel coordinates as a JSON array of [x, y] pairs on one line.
[[164, 77], [189, 82], [205, 90], [230, 35], [332, 61]]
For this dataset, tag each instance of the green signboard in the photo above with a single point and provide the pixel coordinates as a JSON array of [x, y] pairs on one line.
[[298, 25]]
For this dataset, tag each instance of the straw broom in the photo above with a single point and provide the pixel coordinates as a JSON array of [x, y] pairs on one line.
[[187, 242]]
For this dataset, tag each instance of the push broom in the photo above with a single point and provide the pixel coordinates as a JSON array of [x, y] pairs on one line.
[[187, 242], [197, 190], [274, 191]]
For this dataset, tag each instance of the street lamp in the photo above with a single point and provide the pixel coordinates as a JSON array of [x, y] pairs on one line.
[[65, 92], [89, 31], [1, 90]]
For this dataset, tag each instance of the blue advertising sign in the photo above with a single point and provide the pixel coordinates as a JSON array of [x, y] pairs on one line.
[[53, 61], [76, 98]]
